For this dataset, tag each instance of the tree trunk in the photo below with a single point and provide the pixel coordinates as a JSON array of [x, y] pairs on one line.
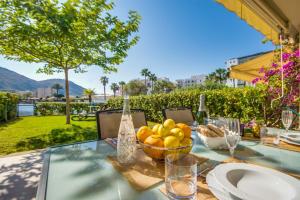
[[114, 93], [67, 97], [104, 94], [122, 90], [56, 95], [90, 99], [145, 81]]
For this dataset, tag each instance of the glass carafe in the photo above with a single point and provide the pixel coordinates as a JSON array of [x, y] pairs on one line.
[[126, 137]]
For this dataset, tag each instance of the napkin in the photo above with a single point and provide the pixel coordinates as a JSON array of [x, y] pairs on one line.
[[145, 172]]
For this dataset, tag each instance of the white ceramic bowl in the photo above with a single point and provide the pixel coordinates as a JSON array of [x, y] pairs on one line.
[[213, 142]]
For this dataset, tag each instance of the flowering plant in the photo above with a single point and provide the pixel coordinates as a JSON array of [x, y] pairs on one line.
[[291, 73], [271, 79]]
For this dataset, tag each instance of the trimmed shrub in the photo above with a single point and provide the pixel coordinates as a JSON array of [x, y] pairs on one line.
[[243, 103], [8, 106], [59, 108]]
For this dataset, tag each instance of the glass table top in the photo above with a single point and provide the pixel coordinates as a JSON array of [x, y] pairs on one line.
[[81, 171]]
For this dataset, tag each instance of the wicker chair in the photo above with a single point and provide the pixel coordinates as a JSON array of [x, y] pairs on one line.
[[179, 115], [108, 122]]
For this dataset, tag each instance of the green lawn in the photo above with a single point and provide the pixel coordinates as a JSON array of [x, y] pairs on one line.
[[28, 133]]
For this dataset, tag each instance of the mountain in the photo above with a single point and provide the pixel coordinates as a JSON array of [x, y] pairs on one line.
[[10, 80]]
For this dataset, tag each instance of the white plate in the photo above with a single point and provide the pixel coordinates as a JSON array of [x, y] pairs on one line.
[[294, 137], [289, 141], [216, 188], [251, 182]]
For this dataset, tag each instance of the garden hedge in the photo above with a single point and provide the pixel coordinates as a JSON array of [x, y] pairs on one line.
[[243, 103], [8, 106], [59, 108]]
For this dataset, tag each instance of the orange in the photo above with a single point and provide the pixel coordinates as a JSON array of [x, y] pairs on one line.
[[186, 129], [143, 133], [156, 141]]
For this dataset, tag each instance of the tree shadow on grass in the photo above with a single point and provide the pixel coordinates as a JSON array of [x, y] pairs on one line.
[[58, 136], [8, 123]]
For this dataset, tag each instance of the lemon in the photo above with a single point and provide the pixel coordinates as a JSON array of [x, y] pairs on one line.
[[177, 132], [169, 123], [171, 142], [155, 128], [163, 131]]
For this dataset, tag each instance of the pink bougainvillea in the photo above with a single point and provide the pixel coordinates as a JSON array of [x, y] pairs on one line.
[[271, 76]]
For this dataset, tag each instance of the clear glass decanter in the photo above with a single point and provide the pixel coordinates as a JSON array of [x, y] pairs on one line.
[[126, 137]]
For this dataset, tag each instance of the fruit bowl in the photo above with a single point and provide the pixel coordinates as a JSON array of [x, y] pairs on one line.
[[159, 153]]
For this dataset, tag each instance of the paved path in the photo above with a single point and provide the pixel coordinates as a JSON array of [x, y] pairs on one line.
[[19, 176]]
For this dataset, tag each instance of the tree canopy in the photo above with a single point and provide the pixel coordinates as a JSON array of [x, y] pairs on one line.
[[163, 86], [66, 36], [135, 87], [114, 87], [89, 93]]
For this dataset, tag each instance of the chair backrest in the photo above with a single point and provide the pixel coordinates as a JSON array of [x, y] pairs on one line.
[[108, 122], [179, 115]]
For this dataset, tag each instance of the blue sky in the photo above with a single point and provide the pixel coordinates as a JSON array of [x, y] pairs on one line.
[[178, 38]]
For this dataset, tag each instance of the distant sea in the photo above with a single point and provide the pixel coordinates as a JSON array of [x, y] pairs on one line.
[[26, 109]]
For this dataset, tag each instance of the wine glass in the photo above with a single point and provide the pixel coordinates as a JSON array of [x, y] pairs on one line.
[[287, 119], [232, 134]]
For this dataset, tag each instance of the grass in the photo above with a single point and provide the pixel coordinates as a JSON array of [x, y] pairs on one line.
[[28, 133]]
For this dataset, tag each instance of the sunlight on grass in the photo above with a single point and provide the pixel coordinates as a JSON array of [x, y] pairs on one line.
[[28, 133]]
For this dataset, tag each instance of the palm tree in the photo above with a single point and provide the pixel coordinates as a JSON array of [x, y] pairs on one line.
[[89, 93], [57, 87], [146, 73], [122, 84], [104, 81], [211, 77], [114, 87], [221, 75], [152, 78]]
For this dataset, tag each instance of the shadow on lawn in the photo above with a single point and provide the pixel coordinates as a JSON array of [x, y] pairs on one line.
[[9, 123], [58, 136]]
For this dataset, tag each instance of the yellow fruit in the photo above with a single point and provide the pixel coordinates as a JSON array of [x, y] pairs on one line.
[[186, 129], [169, 123], [177, 132], [155, 128], [154, 140], [143, 133], [186, 142], [171, 142], [163, 131]]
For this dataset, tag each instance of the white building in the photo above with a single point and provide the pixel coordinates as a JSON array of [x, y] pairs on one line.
[[44, 92], [237, 61], [192, 81]]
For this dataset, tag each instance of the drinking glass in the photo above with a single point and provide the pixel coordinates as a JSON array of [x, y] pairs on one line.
[[286, 119], [181, 176], [263, 133], [232, 134]]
